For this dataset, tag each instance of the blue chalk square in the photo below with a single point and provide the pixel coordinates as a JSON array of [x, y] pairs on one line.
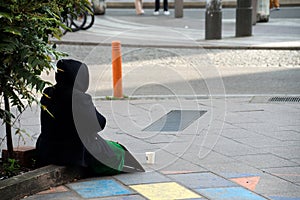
[[99, 188], [229, 193], [202, 180]]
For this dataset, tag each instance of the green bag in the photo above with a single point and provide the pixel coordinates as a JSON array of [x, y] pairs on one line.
[[103, 169]]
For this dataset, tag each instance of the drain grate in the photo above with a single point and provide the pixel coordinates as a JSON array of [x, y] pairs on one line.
[[175, 120], [285, 99]]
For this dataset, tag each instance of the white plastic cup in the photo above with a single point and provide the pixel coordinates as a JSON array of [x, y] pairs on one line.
[[150, 157]]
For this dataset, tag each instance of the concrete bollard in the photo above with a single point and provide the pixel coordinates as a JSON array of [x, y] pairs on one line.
[[178, 6]]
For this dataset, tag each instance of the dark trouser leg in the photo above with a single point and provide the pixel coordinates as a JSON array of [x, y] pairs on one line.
[[157, 5], [166, 5]]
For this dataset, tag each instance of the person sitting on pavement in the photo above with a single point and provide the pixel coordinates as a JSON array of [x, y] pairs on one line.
[[70, 124]]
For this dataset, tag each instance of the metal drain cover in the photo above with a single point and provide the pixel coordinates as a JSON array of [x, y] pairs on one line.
[[275, 99], [285, 99], [175, 120]]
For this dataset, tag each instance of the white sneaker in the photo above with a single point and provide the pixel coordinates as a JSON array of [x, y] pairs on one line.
[[166, 12], [156, 13], [141, 13]]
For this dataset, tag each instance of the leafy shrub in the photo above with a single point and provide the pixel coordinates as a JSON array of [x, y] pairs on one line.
[[25, 51]]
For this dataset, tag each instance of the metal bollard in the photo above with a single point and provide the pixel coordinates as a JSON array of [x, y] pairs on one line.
[[213, 19], [243, 18], [254, 12], [178, 6]]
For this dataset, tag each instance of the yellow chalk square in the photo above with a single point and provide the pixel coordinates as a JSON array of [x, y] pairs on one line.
[[169, 191]]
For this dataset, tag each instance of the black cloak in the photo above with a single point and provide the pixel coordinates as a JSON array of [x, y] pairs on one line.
[[70, 121]]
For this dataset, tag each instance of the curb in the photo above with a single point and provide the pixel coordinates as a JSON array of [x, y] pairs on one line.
[[171, 5], [37, 180], [200, 46], [225, 4]]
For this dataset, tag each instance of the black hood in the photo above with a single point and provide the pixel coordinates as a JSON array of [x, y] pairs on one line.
[[72, 73]]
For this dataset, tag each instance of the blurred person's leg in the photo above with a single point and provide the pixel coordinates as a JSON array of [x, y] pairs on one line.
[[276, 3], [166, 5], [157, 5], [138, 7]]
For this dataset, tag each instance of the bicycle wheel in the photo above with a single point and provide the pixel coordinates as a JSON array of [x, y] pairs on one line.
[[66, 21], [78, 22], [90, 19]]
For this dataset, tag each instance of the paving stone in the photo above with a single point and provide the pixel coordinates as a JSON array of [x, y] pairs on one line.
[[230, 193], [230, 147], [201, 180], [172, 172], [288, 152], [240, 118], [194, 147], [286, 135], [265, 161], [161, 138], [54, 190], [165, 191], [203, 158], [199, 125], [179, 148], [230, 170], [127, 197], [182, 165], [247, 182], [267, 128], [55, 196], [238, 175], [287, 173], [275, 186], [140, 178], [296, 160], [260, 141], [163, 159], [285, 195], [235, 133], [283, 198], [99, 188]]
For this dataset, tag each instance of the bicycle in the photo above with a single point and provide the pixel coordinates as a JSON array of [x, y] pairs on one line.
[[83, 20], [90, 19]]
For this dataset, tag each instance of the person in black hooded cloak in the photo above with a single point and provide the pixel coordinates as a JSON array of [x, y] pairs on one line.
[[70, 124]]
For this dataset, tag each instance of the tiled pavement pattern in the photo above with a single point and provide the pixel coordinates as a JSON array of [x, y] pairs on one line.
[[253, 155], [153, 185], [236, 150]]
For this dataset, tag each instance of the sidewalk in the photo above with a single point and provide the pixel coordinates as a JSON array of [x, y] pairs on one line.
[[241, 148], [281, 32], [187, 3]]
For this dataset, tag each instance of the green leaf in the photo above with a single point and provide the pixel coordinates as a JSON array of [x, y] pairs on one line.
[[6, 16]]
